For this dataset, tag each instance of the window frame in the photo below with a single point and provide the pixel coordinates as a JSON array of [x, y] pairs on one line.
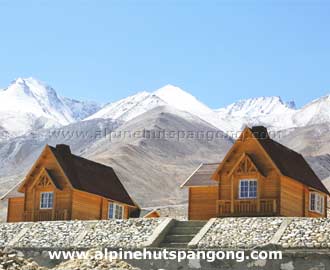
[[115, 208], [47, 200], [249, 180], [318, 202]]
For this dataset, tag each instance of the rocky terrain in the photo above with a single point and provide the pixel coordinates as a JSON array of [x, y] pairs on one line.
[[132, 233], [303, 233], [14, 260], [35, 239], [235, 233], [307, 232], [240, 232]]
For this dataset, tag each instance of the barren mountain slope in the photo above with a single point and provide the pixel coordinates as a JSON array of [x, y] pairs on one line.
[[310, 140], [154, 168]]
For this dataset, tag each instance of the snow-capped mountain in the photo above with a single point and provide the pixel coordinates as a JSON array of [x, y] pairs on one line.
[[276, 114], [169, 95], [268, 111], [315, 112], [28, 105], [255, 107], [128, 108], [271, 111]]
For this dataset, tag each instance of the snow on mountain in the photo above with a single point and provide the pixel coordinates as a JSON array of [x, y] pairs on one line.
[[255, 107], [131, 107], [276, 114], [315, 112], [81, 109], [28, 105], [176, 97], [128, 108], [268, 111]]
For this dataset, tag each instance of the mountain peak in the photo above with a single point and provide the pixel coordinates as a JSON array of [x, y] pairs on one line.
[[170, 91], [182, 100], [254, 107], [31, 87], [29, 80], [169, 87]]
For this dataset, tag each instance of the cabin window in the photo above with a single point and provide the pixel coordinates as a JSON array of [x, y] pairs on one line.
[[316, 202], [247, 189], [46, 200], [116, 211]]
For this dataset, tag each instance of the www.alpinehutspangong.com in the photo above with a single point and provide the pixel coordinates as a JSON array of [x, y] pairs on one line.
[[165, 254]]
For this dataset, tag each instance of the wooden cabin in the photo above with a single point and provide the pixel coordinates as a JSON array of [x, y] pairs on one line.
[[63, 186], [257, 177]]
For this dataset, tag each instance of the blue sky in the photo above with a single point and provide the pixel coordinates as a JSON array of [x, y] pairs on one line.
[[220, 51]]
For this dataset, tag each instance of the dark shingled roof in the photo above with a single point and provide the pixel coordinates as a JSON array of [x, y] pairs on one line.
[[202, 176], [89, 176], [289, 162]]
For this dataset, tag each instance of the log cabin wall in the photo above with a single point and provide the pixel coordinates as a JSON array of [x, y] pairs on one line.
[[202, 202], [295, 198], [15, 209], [86, 206], [292, 198]]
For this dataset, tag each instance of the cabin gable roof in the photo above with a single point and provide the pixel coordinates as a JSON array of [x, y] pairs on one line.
[[46, 152], [81, 174], [90, 176], [246, 134], [291, 163], [286, 161]]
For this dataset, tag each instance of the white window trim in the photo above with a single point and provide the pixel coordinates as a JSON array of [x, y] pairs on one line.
[[239, 189], [318, 196], [45, 208], [115, 205]]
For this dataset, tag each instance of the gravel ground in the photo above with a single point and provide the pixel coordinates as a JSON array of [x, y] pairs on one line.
[[14, 260], [240, 232], [52, 234], [129, 233], [8, 231], [307, 233]]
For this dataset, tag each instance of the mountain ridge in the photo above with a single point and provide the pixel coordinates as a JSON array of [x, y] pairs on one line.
[[28, 105]]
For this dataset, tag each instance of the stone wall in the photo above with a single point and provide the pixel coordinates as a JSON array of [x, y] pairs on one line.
[[279, 232], [130, 233], [240, 232], [234, 233]]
